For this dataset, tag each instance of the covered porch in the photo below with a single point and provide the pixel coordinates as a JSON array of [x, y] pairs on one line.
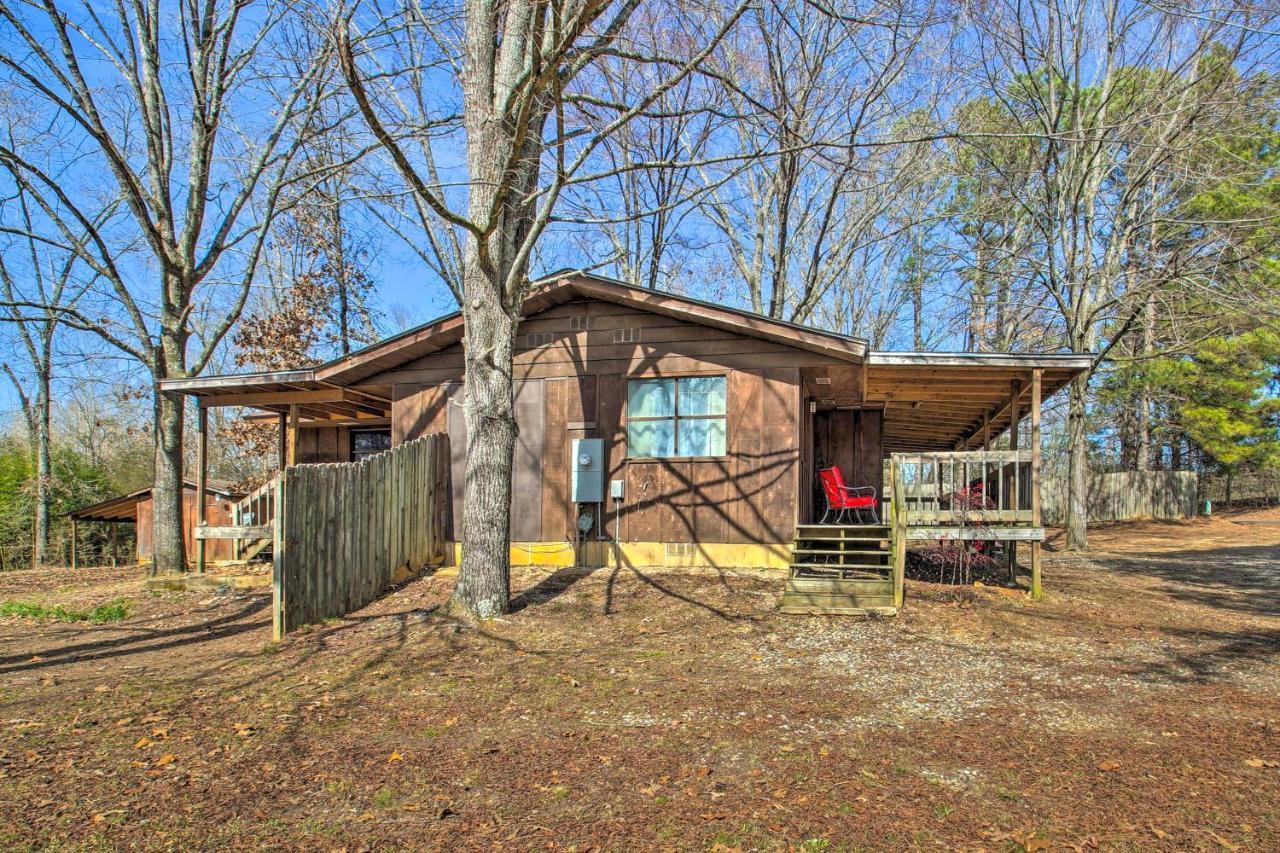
[[950, 445], [316, 421]]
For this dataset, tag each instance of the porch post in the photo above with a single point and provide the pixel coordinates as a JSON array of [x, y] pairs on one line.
[[202, 480], [282, 441], [1015, 420], [75, 544], [115, 553], [1036, 376], [291, 454]]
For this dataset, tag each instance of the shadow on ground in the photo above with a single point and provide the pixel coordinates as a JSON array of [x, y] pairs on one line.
[[1242, 580], [141, 639]]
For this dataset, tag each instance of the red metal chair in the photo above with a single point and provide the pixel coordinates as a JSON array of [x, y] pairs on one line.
[[843, 500]]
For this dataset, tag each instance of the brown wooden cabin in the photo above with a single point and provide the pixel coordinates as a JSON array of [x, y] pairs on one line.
[[727, 480], [135, 509]]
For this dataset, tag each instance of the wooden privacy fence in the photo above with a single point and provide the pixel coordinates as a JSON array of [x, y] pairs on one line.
[[347, 531], [1254, 487], [1125, 495]]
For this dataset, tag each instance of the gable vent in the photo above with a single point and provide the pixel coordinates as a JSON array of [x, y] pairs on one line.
[[538, 339], [626, 336]]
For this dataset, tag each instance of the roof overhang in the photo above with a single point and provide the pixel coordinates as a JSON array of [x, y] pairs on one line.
[[278, 391], [946, 401], [1066, 361]]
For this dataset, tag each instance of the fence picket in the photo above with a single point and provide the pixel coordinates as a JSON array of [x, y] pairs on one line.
[[346, 528]]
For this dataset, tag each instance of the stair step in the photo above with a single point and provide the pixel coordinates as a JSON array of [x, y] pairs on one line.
[[846, 604], [869, 552], [864, 577], [836, 538], [832, 610], [834, 586], [851, 528], [835, 567]]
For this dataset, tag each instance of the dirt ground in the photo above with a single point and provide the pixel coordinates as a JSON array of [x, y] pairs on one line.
[[1137, 707]]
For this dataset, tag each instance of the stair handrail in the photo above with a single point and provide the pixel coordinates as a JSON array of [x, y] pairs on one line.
[[264, 494]]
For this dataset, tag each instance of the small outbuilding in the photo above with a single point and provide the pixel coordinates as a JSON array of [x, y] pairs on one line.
[[136, 509]]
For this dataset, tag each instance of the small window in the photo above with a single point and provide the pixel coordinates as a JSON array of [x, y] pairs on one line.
[[369, 442], [676, 417]]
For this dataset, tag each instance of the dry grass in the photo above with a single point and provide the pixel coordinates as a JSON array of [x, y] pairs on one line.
[[1138, 707]]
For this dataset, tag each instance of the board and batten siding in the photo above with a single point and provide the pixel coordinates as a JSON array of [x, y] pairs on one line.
[[572, 365], [317, 445]]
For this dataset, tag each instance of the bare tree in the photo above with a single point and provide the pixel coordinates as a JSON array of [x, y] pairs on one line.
[[167, 107], [645, 208], [1116, 97], [516, 66], [33, 273], [823, 89]]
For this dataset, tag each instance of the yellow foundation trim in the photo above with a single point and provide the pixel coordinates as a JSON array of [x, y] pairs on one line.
[[724, 555]]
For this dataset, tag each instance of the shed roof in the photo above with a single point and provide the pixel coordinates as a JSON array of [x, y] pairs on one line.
[[123, 507]]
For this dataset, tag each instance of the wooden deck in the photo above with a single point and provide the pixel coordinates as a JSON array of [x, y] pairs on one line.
[[860, 569]]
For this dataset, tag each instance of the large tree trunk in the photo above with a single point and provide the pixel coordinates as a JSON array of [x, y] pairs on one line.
[[1144, 461], [168, 549], [1077, 466], [484, 586]]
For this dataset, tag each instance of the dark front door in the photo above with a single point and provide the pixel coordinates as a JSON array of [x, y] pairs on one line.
[[850, 439]]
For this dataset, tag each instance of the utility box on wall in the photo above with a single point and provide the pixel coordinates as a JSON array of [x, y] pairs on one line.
[[587, 484]]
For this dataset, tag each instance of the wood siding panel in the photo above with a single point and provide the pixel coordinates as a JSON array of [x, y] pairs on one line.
[[323, 445], [747, 496], [526, 472], [570, 404], [418, 410], [217, 514]]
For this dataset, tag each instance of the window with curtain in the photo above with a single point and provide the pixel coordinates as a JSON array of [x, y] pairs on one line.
[[685, 416]]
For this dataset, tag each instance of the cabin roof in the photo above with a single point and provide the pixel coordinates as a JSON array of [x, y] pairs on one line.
[[123, 507], [567, 285], [325, 392], [932, 400]]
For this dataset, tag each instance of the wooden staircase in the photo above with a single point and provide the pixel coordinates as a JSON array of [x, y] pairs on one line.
[[845, 569], [252, 531], [257, 509]]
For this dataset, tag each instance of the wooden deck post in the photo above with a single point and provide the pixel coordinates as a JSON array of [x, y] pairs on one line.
[[291, 451], [115, 552], [1036, 376], [282, 441], [202, 480], [278, 591], [1015, 420], [75, 544]]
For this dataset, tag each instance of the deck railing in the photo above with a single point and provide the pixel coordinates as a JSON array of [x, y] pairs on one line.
[[963, 488]]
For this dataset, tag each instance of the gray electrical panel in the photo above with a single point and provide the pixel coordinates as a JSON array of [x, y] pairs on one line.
[[587, 485]]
